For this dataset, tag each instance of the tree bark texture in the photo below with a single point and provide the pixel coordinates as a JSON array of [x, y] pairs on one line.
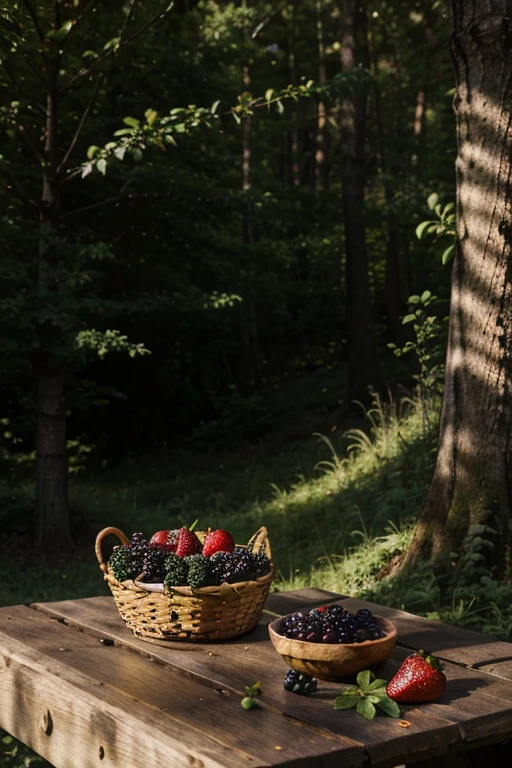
[[473, 476], [52, 509], [361, 347], [321, 167]]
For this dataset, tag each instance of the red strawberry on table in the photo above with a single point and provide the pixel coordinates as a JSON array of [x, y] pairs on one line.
[[420, 678], [218, 541], [188, 543]]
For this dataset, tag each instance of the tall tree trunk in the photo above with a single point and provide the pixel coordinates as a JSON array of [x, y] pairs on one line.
[[292, 69], [425, 89], [52, 515], [473, 476], [321, 168], [361, 348], [396, 290], [249, 320]]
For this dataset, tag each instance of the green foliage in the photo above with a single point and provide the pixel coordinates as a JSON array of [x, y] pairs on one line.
[[13, 754], [367, 696], [105, 342], [428, 345], [443, 226]]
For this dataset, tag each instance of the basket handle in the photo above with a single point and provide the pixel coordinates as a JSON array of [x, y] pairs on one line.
[[260, 543], [99, 541]]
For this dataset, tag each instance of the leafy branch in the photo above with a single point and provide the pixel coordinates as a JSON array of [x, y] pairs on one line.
[[156, 130]]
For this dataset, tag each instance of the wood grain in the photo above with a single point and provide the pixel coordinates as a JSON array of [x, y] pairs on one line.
[[55, 667]]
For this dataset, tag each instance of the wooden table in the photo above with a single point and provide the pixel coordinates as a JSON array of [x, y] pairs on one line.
[[81, 690]]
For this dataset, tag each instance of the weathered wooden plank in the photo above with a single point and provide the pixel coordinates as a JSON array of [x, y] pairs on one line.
[[203, 723], [461, 646], [233, 663], [501, 669]]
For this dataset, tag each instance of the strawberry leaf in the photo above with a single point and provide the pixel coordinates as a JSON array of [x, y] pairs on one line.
[[388, 706], [366, 708], [345, 702], [376, 684], [363, 679]]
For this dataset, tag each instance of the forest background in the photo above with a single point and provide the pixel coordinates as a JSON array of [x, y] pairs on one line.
[[209, 245]]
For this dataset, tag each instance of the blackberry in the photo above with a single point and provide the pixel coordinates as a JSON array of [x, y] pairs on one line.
[[366, 621], [298, 682], [153, 569], [198, 573], [120, 563], [176, 570], [138, 548]]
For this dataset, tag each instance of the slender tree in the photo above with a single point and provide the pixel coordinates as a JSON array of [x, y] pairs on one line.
[[473, 476], [361, 345], [45, 71]]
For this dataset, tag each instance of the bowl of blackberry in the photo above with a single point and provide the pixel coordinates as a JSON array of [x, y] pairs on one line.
[[331, 643]]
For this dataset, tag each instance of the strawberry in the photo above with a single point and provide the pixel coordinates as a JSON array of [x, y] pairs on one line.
[[165, 540], [420, 678], [218, 541], [188, 543]]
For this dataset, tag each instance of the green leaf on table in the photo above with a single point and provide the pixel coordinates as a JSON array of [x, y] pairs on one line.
[[366, 708], [344, 701], [363, 679], [376, 684], [389, 706]]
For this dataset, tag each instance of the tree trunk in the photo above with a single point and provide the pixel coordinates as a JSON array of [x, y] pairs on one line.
[[473, 476], [52, 528], [249, 319], [396, 290], [321, 168], [294, 161], [361, 348], [52, 510]]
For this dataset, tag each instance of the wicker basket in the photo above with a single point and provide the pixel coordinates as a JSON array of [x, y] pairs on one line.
[[154, 612]]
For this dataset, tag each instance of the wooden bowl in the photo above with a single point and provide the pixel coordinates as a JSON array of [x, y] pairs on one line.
[[333, 661]]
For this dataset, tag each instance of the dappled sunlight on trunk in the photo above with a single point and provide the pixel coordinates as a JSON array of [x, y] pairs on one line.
[[473, 475]]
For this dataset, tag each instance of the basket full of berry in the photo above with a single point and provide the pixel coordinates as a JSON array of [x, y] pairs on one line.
[[187, 585]]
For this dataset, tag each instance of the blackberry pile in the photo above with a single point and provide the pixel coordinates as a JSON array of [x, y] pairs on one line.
[[127, 561], [239, 565], [331, 624], [298, 682]]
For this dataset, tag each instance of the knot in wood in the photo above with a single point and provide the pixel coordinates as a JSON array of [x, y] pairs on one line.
[[491, 29], [46, 723]]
